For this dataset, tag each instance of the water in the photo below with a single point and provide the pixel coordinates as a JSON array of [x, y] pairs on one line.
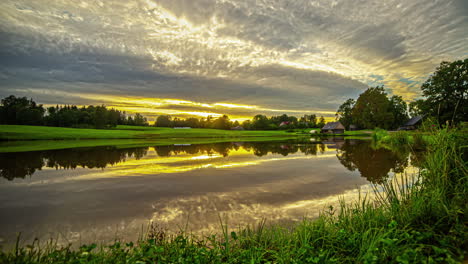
[[103, 193]]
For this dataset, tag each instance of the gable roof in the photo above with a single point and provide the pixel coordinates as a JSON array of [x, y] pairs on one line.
[[413, 121], [333, 125]]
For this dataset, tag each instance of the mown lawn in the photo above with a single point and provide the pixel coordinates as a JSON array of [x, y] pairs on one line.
[[16, 132]]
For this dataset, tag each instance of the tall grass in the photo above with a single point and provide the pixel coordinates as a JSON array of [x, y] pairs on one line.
[[413, 219]]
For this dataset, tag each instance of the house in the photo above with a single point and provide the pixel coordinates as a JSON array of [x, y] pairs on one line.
[[285, 123], [333, 128], [353, 128], [237, 128], [412, 124]]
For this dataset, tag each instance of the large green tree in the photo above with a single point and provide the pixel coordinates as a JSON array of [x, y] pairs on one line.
[[163, 121], [222, 122], [446, 92], [321, 122], [399, 110], [344, 112], [372, 109], [21, 111], [260, 122], [417, 108]]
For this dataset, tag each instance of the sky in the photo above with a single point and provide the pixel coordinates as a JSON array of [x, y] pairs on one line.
[[212, 57]]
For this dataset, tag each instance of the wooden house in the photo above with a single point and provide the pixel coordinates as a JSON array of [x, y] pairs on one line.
[[333, 128], [412, 124]]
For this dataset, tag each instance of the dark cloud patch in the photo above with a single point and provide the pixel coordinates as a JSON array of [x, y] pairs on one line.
[[82, 70], [376, 41]]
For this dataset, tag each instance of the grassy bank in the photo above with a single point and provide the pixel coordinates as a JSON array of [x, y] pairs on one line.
[[424, 222], [14, 132]]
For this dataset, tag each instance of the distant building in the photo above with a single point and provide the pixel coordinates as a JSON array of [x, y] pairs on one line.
[[412, 124], [285, 123], [182, 128], [237, 128], [352, 127], [333, 128]]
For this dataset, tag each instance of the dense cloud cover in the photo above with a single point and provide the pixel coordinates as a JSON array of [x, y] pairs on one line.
[[266, 56]]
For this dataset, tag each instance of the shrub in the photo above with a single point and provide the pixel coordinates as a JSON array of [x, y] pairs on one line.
[[379, 134]]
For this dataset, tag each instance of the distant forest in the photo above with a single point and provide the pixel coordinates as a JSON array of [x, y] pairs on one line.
[[23, 111], [259, 122]]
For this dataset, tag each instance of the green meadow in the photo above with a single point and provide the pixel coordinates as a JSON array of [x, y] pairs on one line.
[[17, 132], [17, 138]]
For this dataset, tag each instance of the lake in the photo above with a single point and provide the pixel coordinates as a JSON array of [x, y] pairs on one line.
[[103, 193]]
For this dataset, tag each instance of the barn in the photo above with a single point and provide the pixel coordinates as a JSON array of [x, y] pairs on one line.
[[333, 128]]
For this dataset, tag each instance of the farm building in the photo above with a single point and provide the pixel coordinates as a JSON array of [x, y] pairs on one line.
[[333, 128], [412, 124]]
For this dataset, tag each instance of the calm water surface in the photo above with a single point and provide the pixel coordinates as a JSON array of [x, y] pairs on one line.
[[99, 194]]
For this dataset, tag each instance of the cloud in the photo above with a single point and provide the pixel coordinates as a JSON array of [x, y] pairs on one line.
[[277, 54]]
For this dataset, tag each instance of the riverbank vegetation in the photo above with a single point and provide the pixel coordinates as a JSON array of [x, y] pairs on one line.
[[445, 101], [420, 219]]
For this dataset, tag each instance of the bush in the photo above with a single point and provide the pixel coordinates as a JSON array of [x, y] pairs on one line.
[[379, 134]]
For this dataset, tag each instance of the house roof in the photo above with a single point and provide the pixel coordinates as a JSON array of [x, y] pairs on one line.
[[413, 121], [333, 125]]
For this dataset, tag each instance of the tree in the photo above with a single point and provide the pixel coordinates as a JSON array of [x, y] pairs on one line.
[[344, 112], [140, 120], [21, 111], [260, 122], [192, 122], [372, 109], [163, 121], [247, 124], [313, 120], [100, 117], [446, 92], [398, 108], [321, 122], [417, 108], [222, 122]]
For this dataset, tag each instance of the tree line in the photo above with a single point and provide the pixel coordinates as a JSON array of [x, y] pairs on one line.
[[445, 98], [258, 122], [23, 111]]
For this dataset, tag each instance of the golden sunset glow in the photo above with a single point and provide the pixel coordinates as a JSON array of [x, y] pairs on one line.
[[189, 58]]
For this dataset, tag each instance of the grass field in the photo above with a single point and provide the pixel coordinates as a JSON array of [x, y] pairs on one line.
[[16, 138], [15, 132]]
